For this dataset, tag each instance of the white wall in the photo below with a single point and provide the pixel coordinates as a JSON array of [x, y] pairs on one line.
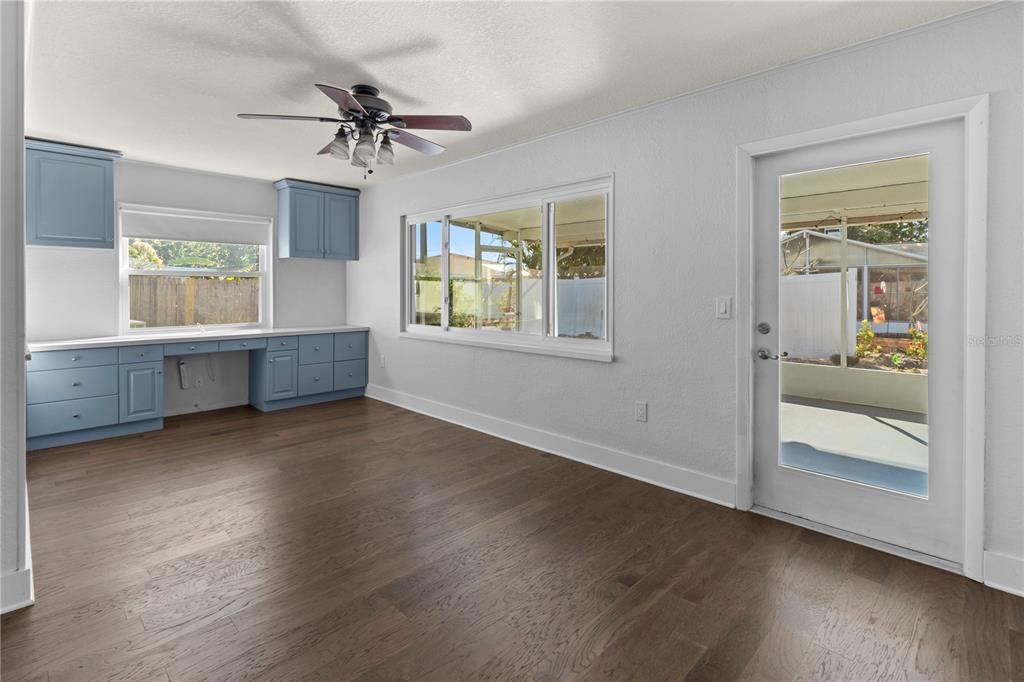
[[73, 292], [675, 229], [15, 560]]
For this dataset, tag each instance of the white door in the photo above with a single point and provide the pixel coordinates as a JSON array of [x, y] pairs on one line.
[[858, 299]]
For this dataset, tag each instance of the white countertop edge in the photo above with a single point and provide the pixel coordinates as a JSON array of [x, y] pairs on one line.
[[142, 339]]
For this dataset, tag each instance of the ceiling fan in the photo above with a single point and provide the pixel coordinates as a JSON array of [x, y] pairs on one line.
[[362, 117]]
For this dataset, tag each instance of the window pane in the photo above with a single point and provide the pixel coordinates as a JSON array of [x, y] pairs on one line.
[[426, 255], [174, 301], [495, 269], [169, 254], [580, 250]]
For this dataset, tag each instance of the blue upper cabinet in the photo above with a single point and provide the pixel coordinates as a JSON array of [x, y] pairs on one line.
[[317, 221], [69, 195]]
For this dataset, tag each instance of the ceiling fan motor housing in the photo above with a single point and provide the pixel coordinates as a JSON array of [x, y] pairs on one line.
[[368, 96]]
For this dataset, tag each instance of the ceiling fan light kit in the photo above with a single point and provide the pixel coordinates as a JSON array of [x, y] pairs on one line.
[[366, 117]]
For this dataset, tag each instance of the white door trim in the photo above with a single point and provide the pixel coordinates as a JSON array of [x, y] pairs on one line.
[[974, 113]]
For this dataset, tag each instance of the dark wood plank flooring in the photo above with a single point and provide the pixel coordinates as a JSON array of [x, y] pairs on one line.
[[356, 540]]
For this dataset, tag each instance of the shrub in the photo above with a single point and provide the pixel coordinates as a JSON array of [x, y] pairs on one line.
[[865, 339]]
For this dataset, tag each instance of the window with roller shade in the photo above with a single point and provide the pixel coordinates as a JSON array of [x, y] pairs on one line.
[[189, 268]]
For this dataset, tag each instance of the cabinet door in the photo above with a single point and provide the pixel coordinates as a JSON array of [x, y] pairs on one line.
[[141, 394], [306, 224], [341, 226], [282, 375], [69, 200]]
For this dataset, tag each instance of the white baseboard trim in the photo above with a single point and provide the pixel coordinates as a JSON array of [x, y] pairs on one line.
[[16, 591], [1004, 572], [676, 478]]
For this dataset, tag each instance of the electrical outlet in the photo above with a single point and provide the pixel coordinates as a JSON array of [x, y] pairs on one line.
[[640, 411]]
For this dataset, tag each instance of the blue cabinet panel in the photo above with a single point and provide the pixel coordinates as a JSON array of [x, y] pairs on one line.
[[141, 391], [190, 348], [315, 348], [283, 343], [282, 375], [349, 374], [69, 195], [150, 353], [316, 378], [70, 384], [242, 344], [350, 345], [67, 359], [70, 415], [317, 221], [306, 224], [341, 226]]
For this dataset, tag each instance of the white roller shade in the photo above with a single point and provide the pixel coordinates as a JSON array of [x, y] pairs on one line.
[[171, 223]]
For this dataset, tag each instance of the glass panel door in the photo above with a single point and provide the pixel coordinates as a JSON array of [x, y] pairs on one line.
[[853, 323]]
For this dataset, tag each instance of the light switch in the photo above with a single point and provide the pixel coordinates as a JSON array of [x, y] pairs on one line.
[[723, 307]]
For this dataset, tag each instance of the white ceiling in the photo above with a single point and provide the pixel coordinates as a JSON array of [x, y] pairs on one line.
[[163, 81]]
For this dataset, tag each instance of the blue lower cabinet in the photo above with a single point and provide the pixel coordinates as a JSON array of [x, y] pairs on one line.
[[190, 348], [141, 391], [282, 375], [316, 378], [316, 348], [350, 345], [70, 384], [70, 359], [349, 374], [70, 415]]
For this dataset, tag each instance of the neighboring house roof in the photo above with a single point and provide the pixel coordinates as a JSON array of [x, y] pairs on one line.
[[914, 252]]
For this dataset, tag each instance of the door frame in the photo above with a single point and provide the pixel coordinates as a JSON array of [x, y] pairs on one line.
[[973, 112]]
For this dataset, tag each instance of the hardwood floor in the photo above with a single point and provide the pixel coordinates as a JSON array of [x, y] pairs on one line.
[[356, 540]]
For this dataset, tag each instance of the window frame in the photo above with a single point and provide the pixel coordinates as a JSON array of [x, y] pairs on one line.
[[264, 274], [546, 343]]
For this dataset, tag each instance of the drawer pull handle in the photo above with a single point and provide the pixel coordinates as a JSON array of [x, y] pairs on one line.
[[243, 344], [75, 415], [142, 355], [316, 347], [284, 343], [191, 347], [74, 358], [350, 346], [76, 383], [316, 378], [350, 375]]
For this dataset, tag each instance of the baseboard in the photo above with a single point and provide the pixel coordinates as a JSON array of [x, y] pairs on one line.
[[1004, 572], [55, 440], [676, 478], [16, 590]]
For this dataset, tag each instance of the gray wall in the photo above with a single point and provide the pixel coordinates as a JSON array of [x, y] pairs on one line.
[[675, 229]]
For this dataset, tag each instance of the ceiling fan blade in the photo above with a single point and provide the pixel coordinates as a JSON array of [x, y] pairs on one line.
[[344, 99], [431, 122], [285, 117], [415, 142], [327, 149]]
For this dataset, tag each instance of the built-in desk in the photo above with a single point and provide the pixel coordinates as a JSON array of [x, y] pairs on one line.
[[86, 389]]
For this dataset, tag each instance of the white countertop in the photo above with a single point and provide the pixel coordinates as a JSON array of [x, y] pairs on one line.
[[143, 337]]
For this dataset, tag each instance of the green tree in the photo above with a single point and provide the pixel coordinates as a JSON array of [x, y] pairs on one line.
[[900, 232]]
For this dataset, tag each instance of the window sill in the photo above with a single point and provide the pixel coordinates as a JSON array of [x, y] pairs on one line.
[[596, 351]]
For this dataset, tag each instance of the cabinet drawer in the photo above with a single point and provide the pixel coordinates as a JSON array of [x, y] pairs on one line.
[[140, 353], [283, 343], [190, 348], [349, 374], [66, 359], [71, 415], [316, 378], [243, 344], [69, 384], [349, 345], [315, 348]]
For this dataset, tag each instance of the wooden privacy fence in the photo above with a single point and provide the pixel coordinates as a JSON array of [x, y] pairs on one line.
[[160, 301]]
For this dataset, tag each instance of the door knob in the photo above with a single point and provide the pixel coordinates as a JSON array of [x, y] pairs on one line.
[[766, 354]]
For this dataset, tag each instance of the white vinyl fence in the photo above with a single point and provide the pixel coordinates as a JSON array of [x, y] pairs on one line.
[[809, 315]]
